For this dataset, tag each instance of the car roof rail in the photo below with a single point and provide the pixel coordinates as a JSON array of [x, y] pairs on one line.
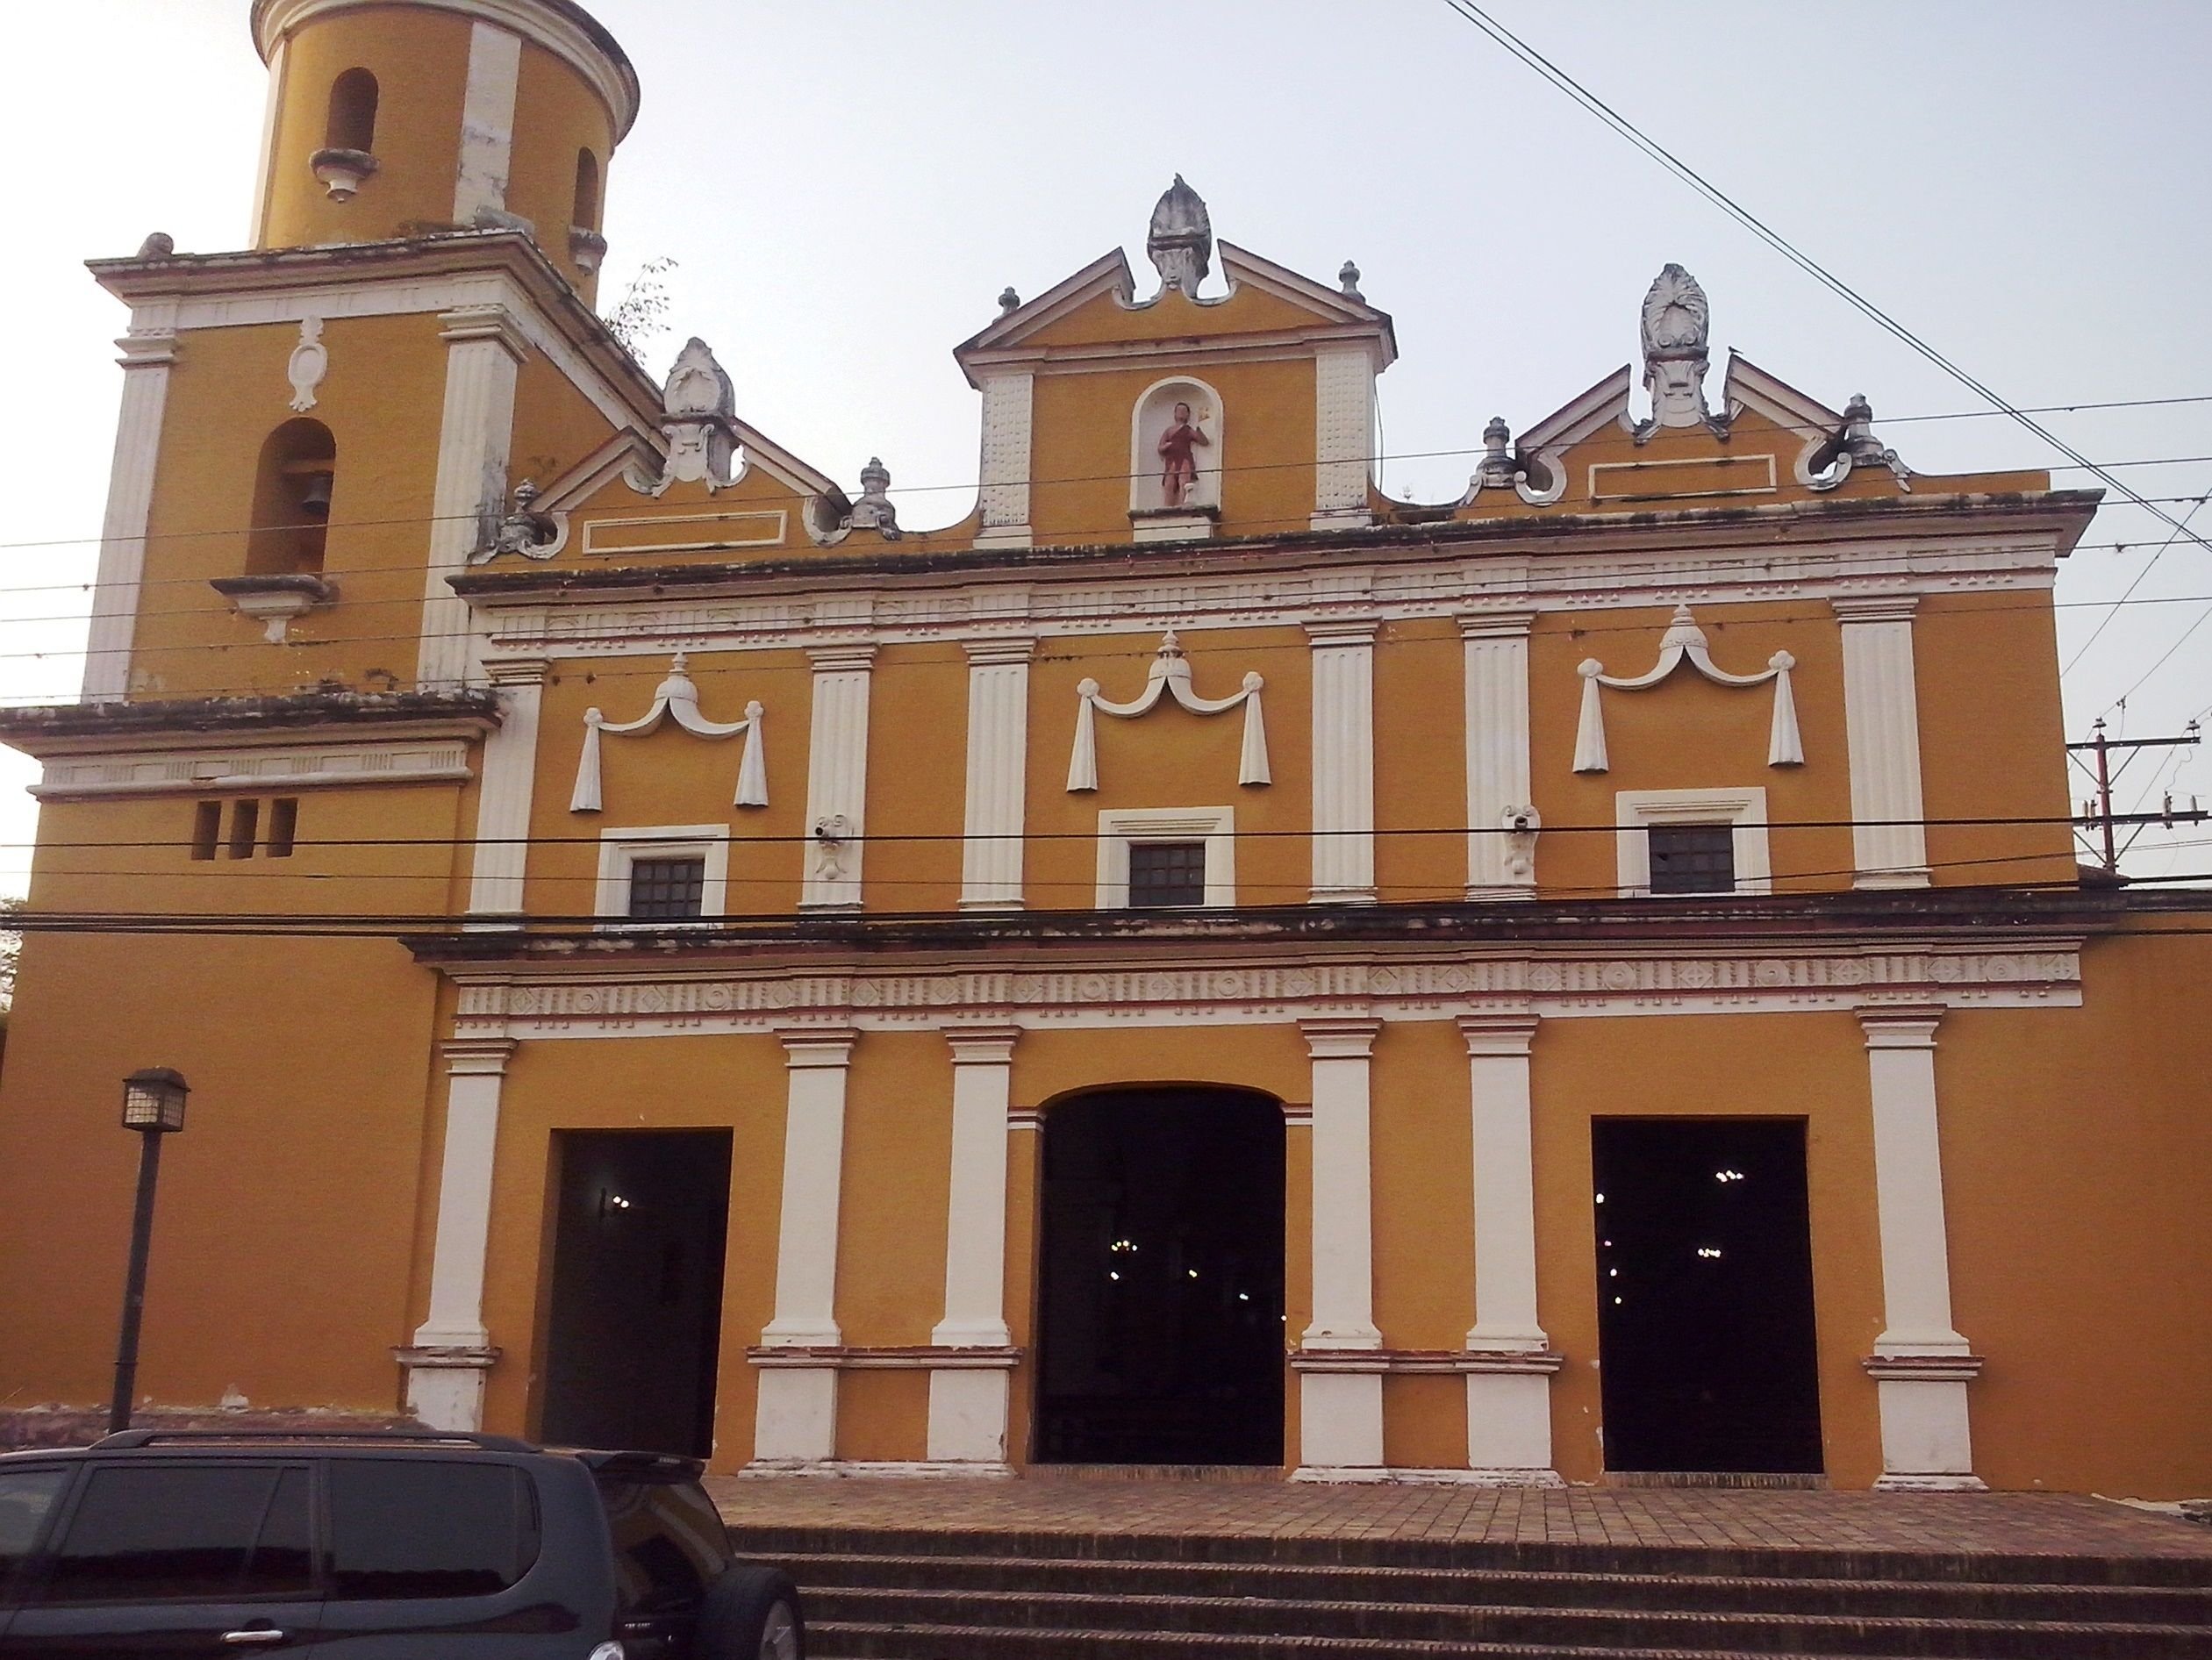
[[125, 1438], [641, 1466]]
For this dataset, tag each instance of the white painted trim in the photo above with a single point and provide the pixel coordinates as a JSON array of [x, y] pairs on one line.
[[1495, 667], [500, 856], [1211, 984], [487, 123], [1340, 1049], [1343, 759], [969, 1406], [1881, 723], [620, 849], [880, 1470], [1145, 493], [1119, 827], [475, 1069], [265, 170], [837, 778], [1637, 811], [1008, 414], [997, 797], [796, 1412], [1343, 436], [329, 765], [484, 349], [147, 359]]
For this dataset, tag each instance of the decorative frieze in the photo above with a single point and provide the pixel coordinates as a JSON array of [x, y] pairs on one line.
[[289, 767]]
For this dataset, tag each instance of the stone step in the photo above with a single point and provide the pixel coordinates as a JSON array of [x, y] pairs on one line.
[[1977, 1568], [1502, 1588], [1154, 1618]]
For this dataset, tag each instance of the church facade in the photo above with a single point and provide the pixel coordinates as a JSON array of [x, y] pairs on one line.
[[1197, 962]]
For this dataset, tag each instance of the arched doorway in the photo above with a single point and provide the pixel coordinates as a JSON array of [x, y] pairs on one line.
[[1159, 1323]]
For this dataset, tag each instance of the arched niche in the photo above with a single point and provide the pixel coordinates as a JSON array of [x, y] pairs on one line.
[[1153, 418], [292, 488], [352, 124]]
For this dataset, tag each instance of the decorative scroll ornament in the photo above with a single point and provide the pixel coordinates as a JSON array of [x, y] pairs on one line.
[[699, 420], [308, 365], [525, 531], [1169, 677], [676, 695], [1684, 638], [1677, 325], [1180, 240]]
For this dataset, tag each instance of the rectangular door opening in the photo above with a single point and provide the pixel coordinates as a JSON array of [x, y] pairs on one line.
[[636, 1310], [1707, 1356]]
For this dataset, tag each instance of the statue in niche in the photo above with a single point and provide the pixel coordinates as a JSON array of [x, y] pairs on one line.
[[1179, 457]]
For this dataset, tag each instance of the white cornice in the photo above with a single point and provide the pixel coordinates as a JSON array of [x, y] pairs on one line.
[[586, 999], [560, 27], [433, 754]]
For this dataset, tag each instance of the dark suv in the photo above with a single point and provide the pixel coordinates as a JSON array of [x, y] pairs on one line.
[[374, 1548]]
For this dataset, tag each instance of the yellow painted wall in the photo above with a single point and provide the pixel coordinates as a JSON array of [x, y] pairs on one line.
[[1421, 764], [555, 425], [557, 115], [917, 777]]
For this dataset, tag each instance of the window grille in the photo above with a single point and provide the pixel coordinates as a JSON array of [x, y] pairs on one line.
[[1692, 858], [1167, 873]]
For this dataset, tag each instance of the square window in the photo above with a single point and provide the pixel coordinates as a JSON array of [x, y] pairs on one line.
[[207, 828], [1692, 858], [283, 826], [246, 828], [667, 889], [1167, 873]]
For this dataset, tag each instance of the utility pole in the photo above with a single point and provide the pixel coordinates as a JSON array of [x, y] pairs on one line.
[[2097, 815]]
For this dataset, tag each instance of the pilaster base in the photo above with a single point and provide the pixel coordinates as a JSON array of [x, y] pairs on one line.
[[1926, 1446], [968, 1417], [796, 1420], [1340, 1425], [1509, 1421], [445, 1385]]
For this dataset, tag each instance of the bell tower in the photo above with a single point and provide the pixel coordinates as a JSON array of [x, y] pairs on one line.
[[390, 119]]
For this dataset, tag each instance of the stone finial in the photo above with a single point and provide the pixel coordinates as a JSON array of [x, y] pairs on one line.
[[874, 510], [1496, 470], [160, 246], [523, 531], [1180, 241], [1866, 449], [1008, 300], [1347, 279], [700, 406], [1677, 324]]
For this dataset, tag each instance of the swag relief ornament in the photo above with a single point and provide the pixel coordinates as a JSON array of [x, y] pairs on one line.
[[1684, 641], [1168, 676], [678, 699]]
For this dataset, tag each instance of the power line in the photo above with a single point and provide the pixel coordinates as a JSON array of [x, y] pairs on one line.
[[1472, 13], [2140, 576]]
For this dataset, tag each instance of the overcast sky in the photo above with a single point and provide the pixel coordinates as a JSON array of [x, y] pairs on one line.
[[846, 186]]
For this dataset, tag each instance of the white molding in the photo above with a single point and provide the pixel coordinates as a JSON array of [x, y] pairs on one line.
[[1494, 654], [1208, 984], [322, 766], [1340, 1049], [837, 778], [997, 797], [1343, 728], [484, 349], [475, 1070], [1008, 413], [1881, 723], [796, 1417], [879, 1470], [272, 106], [487, 123], [969, 1406], [147, 356], [1120, 827], [621, 849], [1343, 436], [500, 853], [556, 28], [1744, 807]]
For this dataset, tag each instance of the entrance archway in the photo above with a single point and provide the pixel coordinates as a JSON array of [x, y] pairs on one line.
[[1159, 1323]]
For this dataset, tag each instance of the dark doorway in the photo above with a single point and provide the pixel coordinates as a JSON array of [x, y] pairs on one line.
[[1160, 1324], [636, 1315], [1705, 1296]]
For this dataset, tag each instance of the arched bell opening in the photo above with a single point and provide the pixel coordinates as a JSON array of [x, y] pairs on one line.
[[292, 491], [1160, 1286]]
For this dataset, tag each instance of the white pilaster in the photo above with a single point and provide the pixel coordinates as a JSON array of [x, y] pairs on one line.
[[837, 778], [1343, 437], [502, 850], [1008, 414], [270, 107], [1341, 1413], [1499, 865], [485, 345], [997, 773], [487, 126], [968, 1405], [1881, 720], [145, 359], [1509, 1394], [1921, 1364], [1343, 656], [452, 1349], [796, 1423]]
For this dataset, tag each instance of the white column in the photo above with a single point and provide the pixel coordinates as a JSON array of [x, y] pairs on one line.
[[504, 792], [487, 128], [1340, 1412], [1008, 401], [1881, 721], [1921, 1364], [997, 773], [1343, 655], [147, 358], [1499, 866], [1343, 437], [968, 1403], [452, 1350], [837, 778], [484, 347], [796, 1423], [1509, 1355]]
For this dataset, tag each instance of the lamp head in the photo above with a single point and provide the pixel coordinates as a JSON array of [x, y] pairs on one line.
[[154, 1100]]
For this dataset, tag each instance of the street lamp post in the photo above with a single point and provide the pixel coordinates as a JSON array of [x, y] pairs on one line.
[[153, 1105]]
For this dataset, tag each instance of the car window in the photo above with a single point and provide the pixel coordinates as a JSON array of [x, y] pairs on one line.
[[26, 1496], [419, 1527], [669, 1543], [164, 1533]]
